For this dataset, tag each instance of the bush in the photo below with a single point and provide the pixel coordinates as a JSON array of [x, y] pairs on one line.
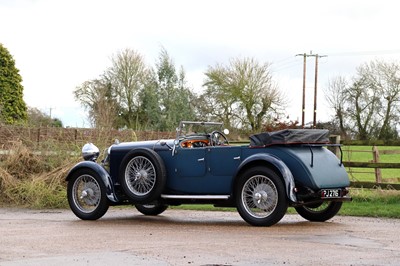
[[34, 179]]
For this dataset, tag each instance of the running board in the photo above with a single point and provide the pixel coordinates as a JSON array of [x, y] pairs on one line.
[[197, 197]]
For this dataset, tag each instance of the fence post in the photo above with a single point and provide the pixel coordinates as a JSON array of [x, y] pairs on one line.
[[76, 135], [335, 139], [378, 174], [38, 136]]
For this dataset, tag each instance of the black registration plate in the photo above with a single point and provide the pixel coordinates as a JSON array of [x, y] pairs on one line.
[[331, 193]]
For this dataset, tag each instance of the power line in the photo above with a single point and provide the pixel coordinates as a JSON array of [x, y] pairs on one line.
[[361, 53]]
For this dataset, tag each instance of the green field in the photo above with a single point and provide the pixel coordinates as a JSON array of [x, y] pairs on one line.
[[364, 154]]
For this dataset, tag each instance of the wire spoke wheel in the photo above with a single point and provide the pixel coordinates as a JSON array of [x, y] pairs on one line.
[[87, 195], [260, 196], [319, 212], [140, 175], [155, 208]]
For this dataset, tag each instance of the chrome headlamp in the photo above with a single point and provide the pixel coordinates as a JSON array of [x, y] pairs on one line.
[[90, 152]]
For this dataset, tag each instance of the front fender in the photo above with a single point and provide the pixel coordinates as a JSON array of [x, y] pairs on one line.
[[104, 175], [278, 164]]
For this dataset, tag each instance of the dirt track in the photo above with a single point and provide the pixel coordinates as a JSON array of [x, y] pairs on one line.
[[123, 236]]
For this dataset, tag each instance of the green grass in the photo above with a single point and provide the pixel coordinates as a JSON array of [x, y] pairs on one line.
[[364, 154], [373, 203]]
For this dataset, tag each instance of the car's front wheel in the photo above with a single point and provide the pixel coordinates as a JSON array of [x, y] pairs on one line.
[[152, 209], [260, 197], [319, 212], [87, 195]]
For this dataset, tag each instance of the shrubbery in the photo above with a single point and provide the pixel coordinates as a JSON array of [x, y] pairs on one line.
[[33, 179]]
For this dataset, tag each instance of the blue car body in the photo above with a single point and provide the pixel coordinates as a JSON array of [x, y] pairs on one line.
[[309, 173]]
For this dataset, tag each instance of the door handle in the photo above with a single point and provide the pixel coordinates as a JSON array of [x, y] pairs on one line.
[[200, 160], [236, 158]]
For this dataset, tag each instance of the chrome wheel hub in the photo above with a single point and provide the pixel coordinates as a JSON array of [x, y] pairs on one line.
[[142, 174]]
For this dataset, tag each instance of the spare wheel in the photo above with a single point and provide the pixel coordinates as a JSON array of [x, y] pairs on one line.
[[142, 175]]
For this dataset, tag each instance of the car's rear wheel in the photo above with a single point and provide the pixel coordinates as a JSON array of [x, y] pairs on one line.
[[153, 209], [142, 175], [87, 195], [320, 212], [260, 197]]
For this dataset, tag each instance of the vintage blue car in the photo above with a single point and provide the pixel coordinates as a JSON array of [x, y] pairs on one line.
[[262, 179]]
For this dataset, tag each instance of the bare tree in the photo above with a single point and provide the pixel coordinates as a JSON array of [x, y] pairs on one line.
[[97, 97], [246, 90], [127, 75], [384, 78], [337, 98], [371, 104], [363, 104]]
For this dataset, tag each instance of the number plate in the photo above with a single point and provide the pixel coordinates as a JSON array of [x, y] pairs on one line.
[[331, 193]]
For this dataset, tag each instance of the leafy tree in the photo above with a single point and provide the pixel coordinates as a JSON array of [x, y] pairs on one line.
[[12, 106], [175, 97], [243, 93], [99, 99], [131, 95], [37, 118], [150, 110]]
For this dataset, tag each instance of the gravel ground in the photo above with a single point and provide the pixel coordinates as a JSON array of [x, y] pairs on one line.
[[179, 237]]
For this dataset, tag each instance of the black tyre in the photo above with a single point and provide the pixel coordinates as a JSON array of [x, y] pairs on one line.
[[153, 209], [142, 175], [86, 194], [319, 212], [260, 197]]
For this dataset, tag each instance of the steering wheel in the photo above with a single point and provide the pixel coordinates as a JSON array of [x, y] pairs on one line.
[[218, 138]]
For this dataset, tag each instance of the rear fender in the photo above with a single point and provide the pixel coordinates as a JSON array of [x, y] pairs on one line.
[[104, 175], [270, 159]]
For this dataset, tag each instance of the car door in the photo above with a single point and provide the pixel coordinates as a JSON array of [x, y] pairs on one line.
[[190, 162], [222, 161]]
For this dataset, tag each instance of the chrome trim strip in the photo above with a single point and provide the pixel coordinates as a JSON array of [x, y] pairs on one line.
[[213, 197]]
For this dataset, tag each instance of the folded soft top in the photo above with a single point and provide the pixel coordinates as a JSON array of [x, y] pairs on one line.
[[290, 136]]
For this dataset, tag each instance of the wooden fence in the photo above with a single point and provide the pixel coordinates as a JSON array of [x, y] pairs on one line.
[[66, 138], [376, 165]]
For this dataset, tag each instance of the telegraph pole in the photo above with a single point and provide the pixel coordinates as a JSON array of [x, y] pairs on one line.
[[303, 107], [315, 87]]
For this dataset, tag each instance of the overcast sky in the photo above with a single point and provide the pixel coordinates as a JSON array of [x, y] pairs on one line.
[[57, 45]]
